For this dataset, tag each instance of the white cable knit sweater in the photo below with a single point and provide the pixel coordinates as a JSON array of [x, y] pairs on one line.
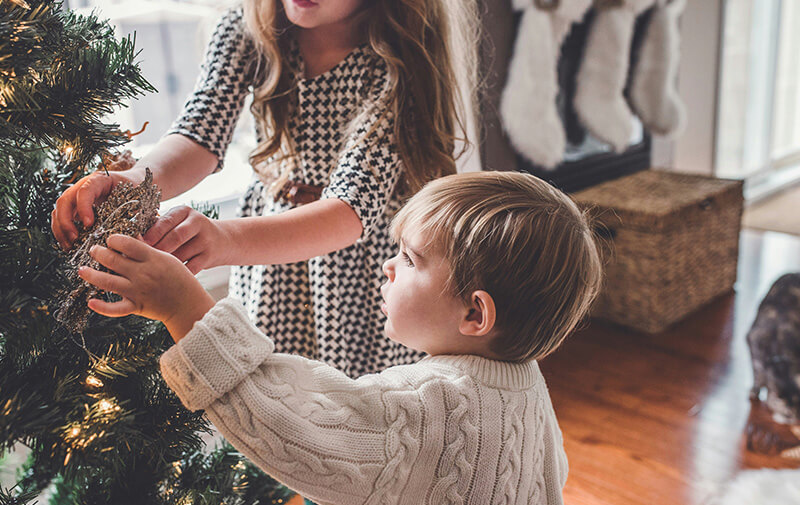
[[446, 430]]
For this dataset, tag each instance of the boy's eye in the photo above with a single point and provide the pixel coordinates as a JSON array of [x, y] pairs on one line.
[[407, 259]]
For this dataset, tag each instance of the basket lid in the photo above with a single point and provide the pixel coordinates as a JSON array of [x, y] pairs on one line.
[[652, 199]]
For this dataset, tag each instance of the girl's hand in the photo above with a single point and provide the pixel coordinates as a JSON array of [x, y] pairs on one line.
[[152, 284], [196, 240], [78, 201]]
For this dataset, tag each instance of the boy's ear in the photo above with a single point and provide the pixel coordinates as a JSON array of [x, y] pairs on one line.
[[481, 315]]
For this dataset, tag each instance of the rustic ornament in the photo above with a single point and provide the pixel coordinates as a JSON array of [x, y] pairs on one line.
[[128, 210]]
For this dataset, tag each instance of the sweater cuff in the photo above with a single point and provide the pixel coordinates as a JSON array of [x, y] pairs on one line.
[[220, 350]]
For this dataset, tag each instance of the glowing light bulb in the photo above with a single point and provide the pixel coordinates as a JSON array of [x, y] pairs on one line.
[[94, 382], [75, 431]]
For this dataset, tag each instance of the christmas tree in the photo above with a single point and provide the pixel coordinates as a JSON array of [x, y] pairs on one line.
[[101, 425]]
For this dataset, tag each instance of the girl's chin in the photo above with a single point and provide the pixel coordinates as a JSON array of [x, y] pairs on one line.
[[300, 21], [301, 18]]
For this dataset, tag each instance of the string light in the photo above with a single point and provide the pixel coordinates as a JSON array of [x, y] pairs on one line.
[[241, 485], [75, 440], [105, 406], [67, 152], [94, 382]]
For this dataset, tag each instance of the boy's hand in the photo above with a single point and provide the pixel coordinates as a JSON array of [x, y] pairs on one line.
[[191, 237], [152, 284]]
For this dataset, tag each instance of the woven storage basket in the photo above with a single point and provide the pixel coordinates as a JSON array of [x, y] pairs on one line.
[[671, 244]]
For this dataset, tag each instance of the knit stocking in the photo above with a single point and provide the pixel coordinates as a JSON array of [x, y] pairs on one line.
[[653, 94], [528, 104], [599, 101]]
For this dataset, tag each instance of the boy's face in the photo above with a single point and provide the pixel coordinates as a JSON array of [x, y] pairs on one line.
[[316, 13], [420, 314]]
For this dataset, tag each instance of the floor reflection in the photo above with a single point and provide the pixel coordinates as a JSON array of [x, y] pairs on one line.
[[719, 452], [659, 419]]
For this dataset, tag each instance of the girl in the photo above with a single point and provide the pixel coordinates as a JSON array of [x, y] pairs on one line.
[[357, 106]]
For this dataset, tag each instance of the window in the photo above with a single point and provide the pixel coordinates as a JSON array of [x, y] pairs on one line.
[[758, 132]]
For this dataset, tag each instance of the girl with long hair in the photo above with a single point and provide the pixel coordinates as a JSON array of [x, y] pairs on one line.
[[358, 103]]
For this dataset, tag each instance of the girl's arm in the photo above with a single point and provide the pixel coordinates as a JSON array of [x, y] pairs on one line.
[[205, 128], [298, 234], [295, 235], [178, 163], [353, 205]]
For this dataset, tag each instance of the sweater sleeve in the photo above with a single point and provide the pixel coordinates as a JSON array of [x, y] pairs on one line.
[[328, 437], [211, 112]]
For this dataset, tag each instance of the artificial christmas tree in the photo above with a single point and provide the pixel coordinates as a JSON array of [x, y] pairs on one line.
[[101, 425]]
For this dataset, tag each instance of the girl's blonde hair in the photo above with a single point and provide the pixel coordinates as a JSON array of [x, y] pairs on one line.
[[519, 239], [430, 49]]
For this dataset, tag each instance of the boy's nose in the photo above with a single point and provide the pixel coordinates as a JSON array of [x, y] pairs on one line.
[[388, 269]]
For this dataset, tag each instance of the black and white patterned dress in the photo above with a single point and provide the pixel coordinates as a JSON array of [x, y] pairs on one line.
[[328, 307]]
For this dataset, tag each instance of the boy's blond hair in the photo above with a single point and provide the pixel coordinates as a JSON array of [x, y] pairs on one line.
[[519, 239]]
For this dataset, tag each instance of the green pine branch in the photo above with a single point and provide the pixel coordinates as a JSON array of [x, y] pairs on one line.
[[82, 74], [101, 424]]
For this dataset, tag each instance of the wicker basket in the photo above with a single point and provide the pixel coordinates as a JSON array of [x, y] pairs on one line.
[[671, 244]]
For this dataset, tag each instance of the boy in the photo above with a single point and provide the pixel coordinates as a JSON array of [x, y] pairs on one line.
[[495, 269]]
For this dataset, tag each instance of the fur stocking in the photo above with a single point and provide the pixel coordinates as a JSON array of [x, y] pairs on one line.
[[528, 105], [599, 100], [653, 95]]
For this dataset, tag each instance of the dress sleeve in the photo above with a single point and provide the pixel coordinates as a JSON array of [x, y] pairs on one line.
[[323, 434], [368, 169], [211, 112]]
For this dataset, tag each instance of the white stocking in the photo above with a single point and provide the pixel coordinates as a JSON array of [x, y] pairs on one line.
[[653, 95], [528, 104], [565, 15], [599, 100]]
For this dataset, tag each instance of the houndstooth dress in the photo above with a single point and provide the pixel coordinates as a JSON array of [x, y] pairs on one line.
[[328, 307]]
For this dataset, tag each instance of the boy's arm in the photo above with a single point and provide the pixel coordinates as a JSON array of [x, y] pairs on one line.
[[327, 436]]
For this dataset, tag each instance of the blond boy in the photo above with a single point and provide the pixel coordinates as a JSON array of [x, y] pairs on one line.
[[495, 269]]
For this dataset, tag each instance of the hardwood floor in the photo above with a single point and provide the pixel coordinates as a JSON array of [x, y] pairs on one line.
[[659, 419]]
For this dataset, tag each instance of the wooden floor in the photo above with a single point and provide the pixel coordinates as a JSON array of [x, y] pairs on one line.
[[655, 420]]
